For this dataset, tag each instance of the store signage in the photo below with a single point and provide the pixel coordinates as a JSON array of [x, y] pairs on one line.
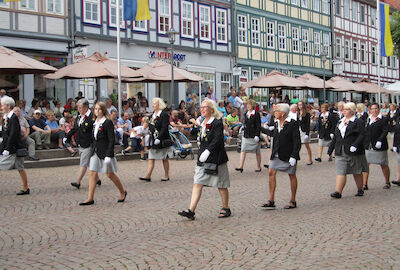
[[79, 53], [167, 56]]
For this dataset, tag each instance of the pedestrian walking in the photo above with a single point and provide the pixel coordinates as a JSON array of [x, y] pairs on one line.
[[376, 144], [396, 147], [304, 120], [251, 136], [211, 169], [285, 153], [160, 142], [361, 112], [103, 159], [348, 143], [326, 126], [11, 148]]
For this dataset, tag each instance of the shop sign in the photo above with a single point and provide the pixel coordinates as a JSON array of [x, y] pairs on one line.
[[167, 56], [79, 53]]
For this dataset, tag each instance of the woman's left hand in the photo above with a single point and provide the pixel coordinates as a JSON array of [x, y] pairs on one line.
[[204, 156]]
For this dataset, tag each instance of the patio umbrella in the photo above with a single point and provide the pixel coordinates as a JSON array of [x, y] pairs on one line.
[[275, 79], [394, 87], [370, 87], [12, 62], [94, 66], [159, 72], [341, 84], [314, 82]]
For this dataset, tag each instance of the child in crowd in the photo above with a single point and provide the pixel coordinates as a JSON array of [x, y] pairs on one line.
[[140, 137], [68, 125]]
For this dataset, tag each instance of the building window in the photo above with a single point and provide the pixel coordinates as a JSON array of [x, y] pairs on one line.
[[225, 84], [346, 8], [304, 3], [317, 43], [355, 51], [305, 41], [222, 27], [205, 23], [338, 48], [270, 35], [255, 32], [373, 50], [55, 6], [164, 15], [362, 53], [140, 26], [347, 50], [373, 16], [295, 2], [338, 6], [91, 11], [282, 37], [187, 19], [316, 5], [362, 13], [31, 5], [243, 78], [295, 39], [4, 4], [112, 14], [242, 29], [355, 11], [389, 62], [326, 44], [325, 6]]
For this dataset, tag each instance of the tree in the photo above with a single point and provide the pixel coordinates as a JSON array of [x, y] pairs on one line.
[[395, 29]]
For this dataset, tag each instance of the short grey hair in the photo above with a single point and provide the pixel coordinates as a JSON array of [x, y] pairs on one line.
[[8, 101], [161, 103], [283, 107], [83, 102]]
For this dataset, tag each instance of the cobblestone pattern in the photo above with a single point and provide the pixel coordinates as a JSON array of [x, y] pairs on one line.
[[48, 230]]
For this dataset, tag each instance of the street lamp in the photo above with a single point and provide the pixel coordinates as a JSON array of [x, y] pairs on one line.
[[323, 59], [171, 35]]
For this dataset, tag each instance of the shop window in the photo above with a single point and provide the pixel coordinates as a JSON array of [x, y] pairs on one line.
[[270, 35], [242, 29], [55, 6], [205, 23], [31, 5], [91, 11], [140, 26], [295, 39], [203, 86], [222, 25], [255, 32], [282, 37], [112, 14], [225, 84], [164, 15], [187, 19], [305, 37], [317, 43]]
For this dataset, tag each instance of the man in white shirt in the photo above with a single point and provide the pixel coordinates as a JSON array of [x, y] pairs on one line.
[[2, 94], [109, 106]]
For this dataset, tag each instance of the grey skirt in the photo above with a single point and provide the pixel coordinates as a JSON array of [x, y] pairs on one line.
[[220, 181], [303, 137], [282, 166], [85, 155], [11, 162], [98, 165], [324, 143], [351, 164], [398, 159], [377, 157], [161, 154], [249, 145]]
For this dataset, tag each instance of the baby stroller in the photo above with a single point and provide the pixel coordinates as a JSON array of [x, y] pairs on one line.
[[180, 144]]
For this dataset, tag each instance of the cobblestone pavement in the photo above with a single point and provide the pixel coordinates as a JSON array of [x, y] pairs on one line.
[[48, 230]]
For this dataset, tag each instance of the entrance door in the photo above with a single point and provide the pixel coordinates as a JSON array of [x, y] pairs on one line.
[[88, 88]]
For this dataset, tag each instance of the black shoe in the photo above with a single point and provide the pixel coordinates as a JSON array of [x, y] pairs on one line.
[[336, 195], [143, 158], [396, 182], [189, 214], [258, 170], [365, 187], [269, 204], [330, 159], [122, 200], [164, 180], [24, 192], [318, 159], [75, 184], [145, 179], [86, 203], [123, 152], [98, 182], [359, 193], [239, 170], [33, 158], [266, 165]]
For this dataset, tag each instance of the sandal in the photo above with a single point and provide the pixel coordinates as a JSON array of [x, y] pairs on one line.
[[396, 182], [291, 205], [227, 213], [269, 204], [387, 186], [189, 214]]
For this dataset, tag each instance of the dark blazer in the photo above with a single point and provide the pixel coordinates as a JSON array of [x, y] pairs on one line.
[[214, 142], [304, 123], [392, 120], [252, 125], [84, 136], [375, 132], [160, 125], [104, 144], [396, 130], [328, 128], [364, 117], [286, 143], [354, 136], [11, 135]]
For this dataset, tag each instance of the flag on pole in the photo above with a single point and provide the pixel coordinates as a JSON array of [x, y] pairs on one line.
[[386, 36], [136, 10]]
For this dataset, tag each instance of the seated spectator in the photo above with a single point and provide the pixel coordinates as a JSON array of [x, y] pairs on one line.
[[124, 126], [140, 138], [233, 122], [73, 109], [127, 109], [80, 96], [227, 131], [69, 122], [222, 109], [63, 119], [58, 110], [114, 119], [110, 106], [182, 106], [28, 141], [68, 104], [21, 104], [35, 107], [57, 133], [208, 95], [45, 107], [175, 122], [229, 108], [39, 131]]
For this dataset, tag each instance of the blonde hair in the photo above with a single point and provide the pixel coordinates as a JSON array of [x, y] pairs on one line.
[[161, 103], [48, 113], [145, 120], [252, 103], [350, 105], [213, 106], [361, 106]]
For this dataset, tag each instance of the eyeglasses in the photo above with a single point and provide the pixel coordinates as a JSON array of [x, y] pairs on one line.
[[203, 107]]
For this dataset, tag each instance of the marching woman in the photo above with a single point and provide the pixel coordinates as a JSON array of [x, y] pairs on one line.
[[211, 169], [160, 142], [348, 143], [396, 148], [361, 113], [326, 126], [11, 146], [376, 144], [251, 136], [285, 153], [103, 159], [304, 121], [393, 115]]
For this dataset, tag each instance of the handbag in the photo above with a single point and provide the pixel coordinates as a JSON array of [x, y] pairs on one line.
[[22, 152], [166, 143], [211, 168]]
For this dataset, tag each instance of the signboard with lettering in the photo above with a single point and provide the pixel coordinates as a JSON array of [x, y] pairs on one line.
[[167, 56], [79, 53]]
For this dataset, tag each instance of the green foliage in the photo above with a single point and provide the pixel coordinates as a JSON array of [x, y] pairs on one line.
[[395, 29]]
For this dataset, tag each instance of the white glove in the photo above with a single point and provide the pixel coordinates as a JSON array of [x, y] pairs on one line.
[[306, 137], [203, 157], [378, 145], [64, 140], [332, 135], [6, 153], [292, 161], [395, 149], [353, 149], [257, 139], [157, 142], [132, 135], [271, 128], [107, 160]]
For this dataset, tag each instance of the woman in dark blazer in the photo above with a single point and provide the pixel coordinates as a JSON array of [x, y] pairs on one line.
[[304, 121], [211, 169], [160, 142], [348, 143], [11, 132], [361, 113], [286, 146], [326, 125], [251, 136], [103, 159], [376, 144], [393, 115], [396, 148]]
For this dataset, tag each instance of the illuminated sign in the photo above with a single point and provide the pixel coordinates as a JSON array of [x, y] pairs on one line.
[[167, 56]]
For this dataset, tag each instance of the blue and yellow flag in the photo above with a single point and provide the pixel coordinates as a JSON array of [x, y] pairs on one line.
[[136, 10], [5, 1], [386, 36]]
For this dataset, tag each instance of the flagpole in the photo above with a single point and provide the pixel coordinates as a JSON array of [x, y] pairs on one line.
[[119, 61], [379, 51]]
